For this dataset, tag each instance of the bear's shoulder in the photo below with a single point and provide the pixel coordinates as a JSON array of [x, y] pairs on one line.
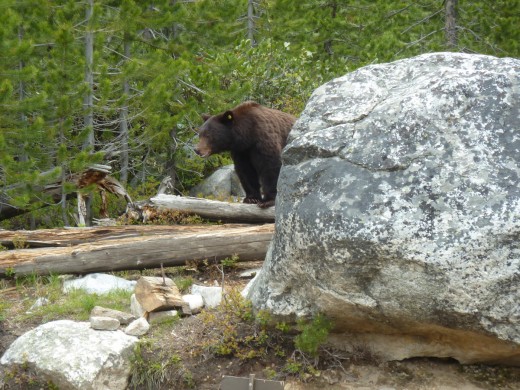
[[246, 107]]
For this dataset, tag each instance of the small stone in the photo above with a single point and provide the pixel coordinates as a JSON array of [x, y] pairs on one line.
[[212, 296], [104, 323], [121, 316], [249, 273], [138, 327], [194, 301], [135, 307]]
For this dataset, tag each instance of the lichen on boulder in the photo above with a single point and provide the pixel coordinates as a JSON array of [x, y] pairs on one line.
[[398, 210]]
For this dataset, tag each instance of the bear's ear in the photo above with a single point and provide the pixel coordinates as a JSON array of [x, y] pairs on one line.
[[205, 117], [227, 117]]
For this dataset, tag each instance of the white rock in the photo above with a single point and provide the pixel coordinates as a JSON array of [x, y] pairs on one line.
[[195, 302], [135, 307], [74, 356], [212, 296], [138, 327], [104, 323], [99, 284]]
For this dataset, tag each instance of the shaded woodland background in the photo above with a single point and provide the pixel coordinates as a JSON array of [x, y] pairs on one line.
[[123, 83]]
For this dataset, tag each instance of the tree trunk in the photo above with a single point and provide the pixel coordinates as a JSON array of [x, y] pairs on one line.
[[251, 22], [104, 249], [451, 24], [89, 104], [89, 76], [123, 126], [213, 210]]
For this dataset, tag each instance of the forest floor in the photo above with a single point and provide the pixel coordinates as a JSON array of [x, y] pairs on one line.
[[195, 352]]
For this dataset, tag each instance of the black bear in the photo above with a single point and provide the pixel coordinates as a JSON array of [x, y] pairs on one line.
[[255, 135]]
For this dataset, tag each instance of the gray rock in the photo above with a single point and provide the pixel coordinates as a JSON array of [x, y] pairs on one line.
[[121, 316], [138, 327], [104, 323], [99, 284], [74, 356], [212, 296], [398, 210], [223, 183]]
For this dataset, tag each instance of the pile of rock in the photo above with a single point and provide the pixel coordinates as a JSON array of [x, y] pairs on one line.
[[96, 354], [155, 299]]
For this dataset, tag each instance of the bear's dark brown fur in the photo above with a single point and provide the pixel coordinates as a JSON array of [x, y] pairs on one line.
[[255, 135]]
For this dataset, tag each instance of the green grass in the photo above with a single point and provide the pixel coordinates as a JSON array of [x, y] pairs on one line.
[[78, 304], [75, 305]]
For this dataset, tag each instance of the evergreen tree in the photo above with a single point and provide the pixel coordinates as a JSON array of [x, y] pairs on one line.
[[157, 65]]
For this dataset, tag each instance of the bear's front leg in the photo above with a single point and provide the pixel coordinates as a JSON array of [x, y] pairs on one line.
[[248, 177], [269, 172]]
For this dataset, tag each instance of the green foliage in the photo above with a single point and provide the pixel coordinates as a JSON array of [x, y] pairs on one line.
[[158, 65], [183, 283], [230, 262], [10, 272], [231, 325], [313, 334], [3, 309]]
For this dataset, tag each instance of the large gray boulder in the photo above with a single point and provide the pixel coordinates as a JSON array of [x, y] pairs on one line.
[[398, 210], [71, 355], [221, 184]]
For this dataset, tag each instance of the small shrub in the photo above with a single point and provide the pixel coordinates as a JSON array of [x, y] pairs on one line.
[[313, 334], [183, 283], [230, 262], [10, 272], [20, 242]]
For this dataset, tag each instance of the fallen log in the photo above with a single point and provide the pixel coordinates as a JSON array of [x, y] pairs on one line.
[[127, 248], [214, 210], [70, 236]]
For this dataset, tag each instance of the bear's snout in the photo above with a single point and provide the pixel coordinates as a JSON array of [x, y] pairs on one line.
[[202, 148]]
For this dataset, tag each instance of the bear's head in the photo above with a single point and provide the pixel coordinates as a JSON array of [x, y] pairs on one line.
[[215, 135]]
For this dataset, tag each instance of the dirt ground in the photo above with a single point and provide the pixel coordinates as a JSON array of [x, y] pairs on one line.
[[195, 352]]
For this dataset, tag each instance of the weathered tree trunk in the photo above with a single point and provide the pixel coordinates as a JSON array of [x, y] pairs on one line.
[[213, 210], [123, 125], [85, 206], [128, 247], [251, 22], [89, 76], [451, 23]]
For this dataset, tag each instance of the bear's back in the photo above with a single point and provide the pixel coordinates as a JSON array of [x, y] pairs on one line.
[[261, 121]]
